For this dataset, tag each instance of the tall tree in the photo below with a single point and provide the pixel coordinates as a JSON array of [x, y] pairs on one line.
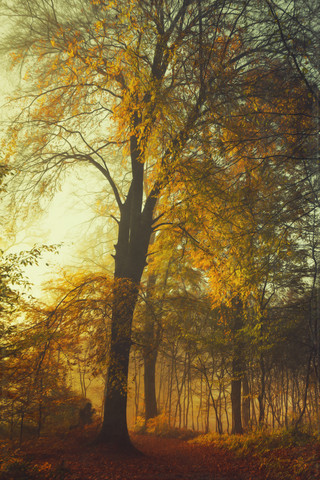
[[111, 86]]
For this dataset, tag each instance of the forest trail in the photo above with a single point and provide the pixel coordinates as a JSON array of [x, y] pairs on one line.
[[74, 458]]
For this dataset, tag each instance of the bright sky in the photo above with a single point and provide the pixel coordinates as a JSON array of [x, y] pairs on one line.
[[66, 221]]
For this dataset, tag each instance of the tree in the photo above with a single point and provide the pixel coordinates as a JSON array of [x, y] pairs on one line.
[[126, 68], [35, 377], [171, 285]]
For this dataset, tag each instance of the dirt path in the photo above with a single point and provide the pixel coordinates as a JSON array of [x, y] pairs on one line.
[[183, 460], [161, 459]]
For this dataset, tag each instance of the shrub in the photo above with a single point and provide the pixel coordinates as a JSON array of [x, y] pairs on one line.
[[14, 466], [160, 427], [259, 441], [140, 426]]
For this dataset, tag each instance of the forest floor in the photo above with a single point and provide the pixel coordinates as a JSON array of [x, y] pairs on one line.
[[75, 457]]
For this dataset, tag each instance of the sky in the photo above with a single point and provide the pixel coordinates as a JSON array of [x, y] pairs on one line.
[[66, 221]]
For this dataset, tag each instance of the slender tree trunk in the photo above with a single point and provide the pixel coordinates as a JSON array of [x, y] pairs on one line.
[[179, 394], [199, 414], [150, 360], [305, 395], [170, 387], [21, 428], [209, 385], [245, 402], [192, 403], [237, 368], [253, 410], [40, 414], [261, 396], [188, 388], [11, 420], [226, 408], [152, 336], [236, 398], [160, 383], [137, 375], [207, 410], [286, 405], [316, 404], [150, 352]]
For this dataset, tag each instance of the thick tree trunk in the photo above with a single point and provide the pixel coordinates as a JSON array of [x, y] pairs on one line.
[[134, 233], [135, 228], [114, 428]]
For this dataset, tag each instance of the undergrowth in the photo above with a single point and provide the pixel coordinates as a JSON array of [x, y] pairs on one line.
[[259, 440], [14, 465], [160, 426], [285, 455]]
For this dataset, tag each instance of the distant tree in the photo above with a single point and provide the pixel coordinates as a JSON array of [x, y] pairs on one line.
[[171, 284], [244, 224]]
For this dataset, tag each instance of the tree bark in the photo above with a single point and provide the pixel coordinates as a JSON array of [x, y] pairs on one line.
[[151, 409], [245, 402], [261, 396], [236, 398], [151, 336], [237, 367], [114, 428]]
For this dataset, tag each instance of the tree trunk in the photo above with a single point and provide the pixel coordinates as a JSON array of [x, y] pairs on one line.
[[130, 259], [237, 367], [305, 396], [21, 428], [261, 396], [114, 428], [151, 409], [236, 398], [150, 351], [40, 418], [135, 227], [245, 402]]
